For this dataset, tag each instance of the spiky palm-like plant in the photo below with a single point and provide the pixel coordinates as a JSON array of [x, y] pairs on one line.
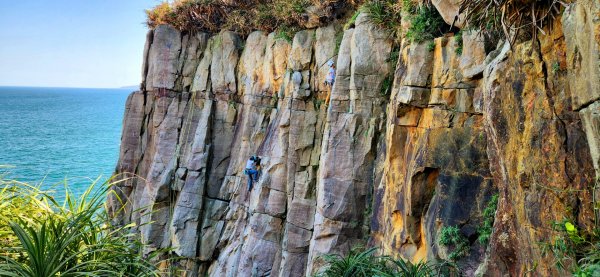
[[70, 239], [358, 262], [362, 262]]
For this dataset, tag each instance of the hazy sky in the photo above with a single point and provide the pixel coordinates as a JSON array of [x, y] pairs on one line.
[[72, 43]]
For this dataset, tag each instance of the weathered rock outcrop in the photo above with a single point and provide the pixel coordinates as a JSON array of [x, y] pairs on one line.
[[404, 149]]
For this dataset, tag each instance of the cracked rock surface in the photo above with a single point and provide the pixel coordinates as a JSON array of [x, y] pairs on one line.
[[405, 148]]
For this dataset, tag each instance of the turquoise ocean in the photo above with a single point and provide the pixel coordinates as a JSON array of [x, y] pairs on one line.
[[48, 135]]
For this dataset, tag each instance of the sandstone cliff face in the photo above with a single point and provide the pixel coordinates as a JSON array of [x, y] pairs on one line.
[[403, 150]]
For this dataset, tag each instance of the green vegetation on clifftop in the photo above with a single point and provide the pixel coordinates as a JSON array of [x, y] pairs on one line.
[[244, 17], [512, 17]]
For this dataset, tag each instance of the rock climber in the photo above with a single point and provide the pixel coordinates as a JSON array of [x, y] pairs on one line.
[[329, 80], [252, 171]]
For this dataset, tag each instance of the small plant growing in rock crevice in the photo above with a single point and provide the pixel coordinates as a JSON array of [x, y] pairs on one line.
[[425, 23], [431, 46], [451, 236], [231, 103], [555, 67], [285, 33], [388, 82], [386, 85], [351, 20], [489, 213], [512, 17], [458, 41], [385, 13], [317, 103], [338, 41], [394, 56], [274, 99]]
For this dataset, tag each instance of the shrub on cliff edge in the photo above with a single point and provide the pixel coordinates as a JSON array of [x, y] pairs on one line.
[[245, 16], [511, 17], [425, 22]]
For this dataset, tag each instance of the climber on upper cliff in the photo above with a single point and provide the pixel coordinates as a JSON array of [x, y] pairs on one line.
[[251, 171], [330, 79]]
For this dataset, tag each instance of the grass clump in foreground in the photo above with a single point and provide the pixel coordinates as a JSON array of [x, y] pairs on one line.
[[360, 262], [41, 237]]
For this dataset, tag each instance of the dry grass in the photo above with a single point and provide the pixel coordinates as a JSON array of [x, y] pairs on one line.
[[514, 18], [245, 16]]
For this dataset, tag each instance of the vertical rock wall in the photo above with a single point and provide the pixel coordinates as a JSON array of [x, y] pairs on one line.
[[436, 169], [402, 151], [207, 105], [538, 153]]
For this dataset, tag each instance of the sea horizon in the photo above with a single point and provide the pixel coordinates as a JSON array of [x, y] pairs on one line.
[[67, 87], [48, 134]]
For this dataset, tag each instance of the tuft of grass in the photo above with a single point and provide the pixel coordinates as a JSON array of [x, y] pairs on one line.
[[360, 262], [451, 236], [243, 17], [317, 103], [231, 104], [386, 86], [489, 213], [388, 82], [352, 20], [384, 13], [555, 67], [274, 99], [42, 237], [458, 40], [394, 56], [425, 23], [338, 41], [511, 17], [286, 33], [431, 46]]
